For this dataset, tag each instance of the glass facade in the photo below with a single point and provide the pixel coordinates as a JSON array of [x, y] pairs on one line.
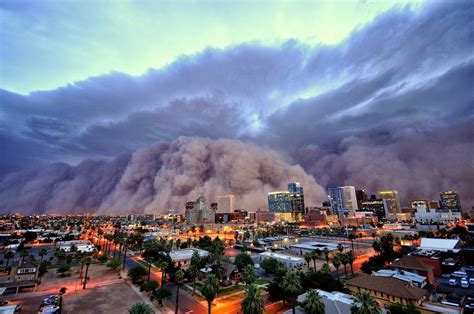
[[279, 202], [450, 200]]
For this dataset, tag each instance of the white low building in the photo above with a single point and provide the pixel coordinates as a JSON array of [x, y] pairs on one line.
[[443, 245], [183, 257], [289, 261], [424, 214], [334, 302], [304, 247], [415, 279]]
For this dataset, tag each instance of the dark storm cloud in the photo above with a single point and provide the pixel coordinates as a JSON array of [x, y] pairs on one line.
[[389, 107]]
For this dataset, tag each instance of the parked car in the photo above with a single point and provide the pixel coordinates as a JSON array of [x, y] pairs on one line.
[[464, 283], [50, 309], [471, 281], [459, 274], [453, 282], [256, 266]]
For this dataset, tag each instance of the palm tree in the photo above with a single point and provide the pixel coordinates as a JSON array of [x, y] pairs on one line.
[[249, 275], [314, 257], [88, 262], [340, 247], [140, 308], [178, 279], [209, 290], [291, 286], [42, 253], [344, 261], [326, 254], [253, 301], [351, 259], [351, 237], [307, 257], [364, 303], [337, 263], [9, 255], [313, 303], [193, 272]]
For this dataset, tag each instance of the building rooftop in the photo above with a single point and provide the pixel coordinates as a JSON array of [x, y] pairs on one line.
[[443, 245], [186, 254], [282, 256], [411, 262], [389, 286], [316, 245], [402, 275]]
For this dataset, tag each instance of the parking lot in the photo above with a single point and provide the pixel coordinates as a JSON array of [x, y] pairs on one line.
[[458, 290]]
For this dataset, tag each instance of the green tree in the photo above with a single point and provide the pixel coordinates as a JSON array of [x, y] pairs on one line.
[[350, 260], [88, 262], [340, 247], [242, 260], [351, 238], [364, 303], [161, 294], [344, 261], [63, 269], [42, 253], [140, 308], [249, 275], [43, 269], [326, 254], [178, 279], [114, 264], [291, 286], [313, 303], [253, 301], [136, 273], [209, 290]]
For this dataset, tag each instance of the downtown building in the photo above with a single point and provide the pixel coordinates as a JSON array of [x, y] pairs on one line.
[[449, 200], [198, 213], [287, 205], [391, 203], [225, 204], [343, 201]]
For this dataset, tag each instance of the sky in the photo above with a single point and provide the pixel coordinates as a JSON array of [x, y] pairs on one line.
[[150, 104]]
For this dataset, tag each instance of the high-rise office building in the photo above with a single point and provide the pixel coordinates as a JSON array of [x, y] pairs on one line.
[[391, 203], [343, 200], [279, 202], [449, 200], [296, 199], [226, 204], [374, 205], [199, 213], [360, 196]]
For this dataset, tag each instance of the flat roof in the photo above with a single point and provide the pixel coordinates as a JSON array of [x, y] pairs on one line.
[[185, 254], [282, 256], [317, 245]]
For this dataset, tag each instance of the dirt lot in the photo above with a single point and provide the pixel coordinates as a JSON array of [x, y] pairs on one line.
[[115, 298]]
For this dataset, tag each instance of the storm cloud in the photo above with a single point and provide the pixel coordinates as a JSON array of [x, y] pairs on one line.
[[391, 106]]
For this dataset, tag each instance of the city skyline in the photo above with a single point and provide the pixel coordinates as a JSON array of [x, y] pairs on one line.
[[107, 110]]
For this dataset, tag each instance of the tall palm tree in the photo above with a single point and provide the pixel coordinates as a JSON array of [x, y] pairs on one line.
[[9, 255], [351, 259], [313, 304], [253, 301], [326, 254], [336, 261], [42, 253], [209, 290], [291, 286], [140, 308], [351, 238], [193, 272], [88, 262], [364, 303], [344, 261], [340, 247], [307, 257], [314, 257], [249, 275], [178, 278]]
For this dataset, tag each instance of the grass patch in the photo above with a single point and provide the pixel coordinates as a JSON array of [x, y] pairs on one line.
[[230, 290], [261, 281]]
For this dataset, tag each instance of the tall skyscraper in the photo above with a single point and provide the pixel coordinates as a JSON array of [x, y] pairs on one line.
[[375, 205], [297, 199], [226, 204], [449, 200], [391, 203], [343, 200], [279, 202]]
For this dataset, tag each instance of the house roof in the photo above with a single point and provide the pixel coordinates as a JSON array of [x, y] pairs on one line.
[[387, 285], [411, 262]]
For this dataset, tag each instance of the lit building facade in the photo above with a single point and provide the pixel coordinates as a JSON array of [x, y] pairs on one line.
[[391, 203], [374, 205], [226, 204], [449, 200], [279, 202], [343, 200], [296, 199]]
